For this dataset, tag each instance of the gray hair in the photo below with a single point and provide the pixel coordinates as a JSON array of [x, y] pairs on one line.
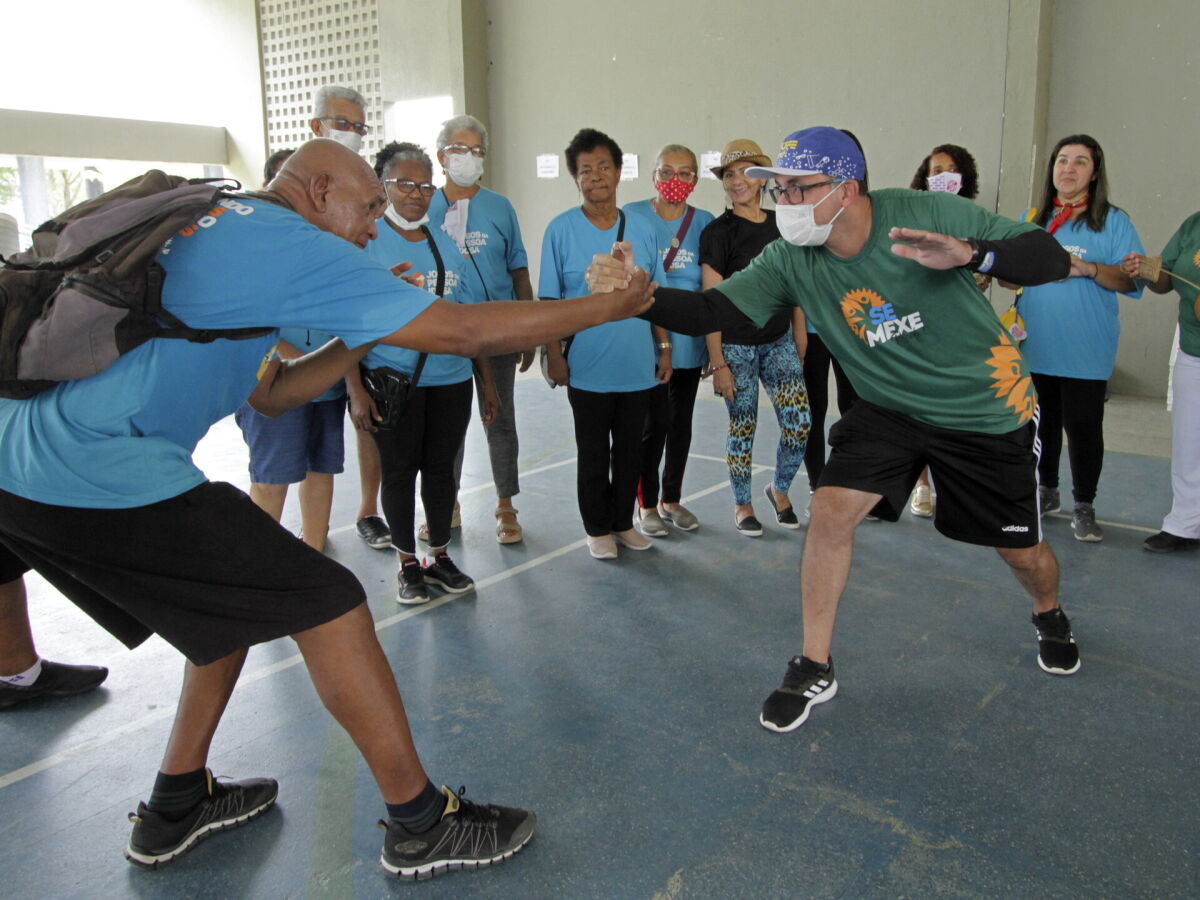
[[397, 152], [676, 148], [462, 123], [334, 91]]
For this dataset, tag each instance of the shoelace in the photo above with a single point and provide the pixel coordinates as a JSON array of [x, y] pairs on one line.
[[475, 813], [1057, 628], [795, 678]]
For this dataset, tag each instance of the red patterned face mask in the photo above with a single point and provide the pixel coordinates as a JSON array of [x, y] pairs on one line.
[[674, 191]]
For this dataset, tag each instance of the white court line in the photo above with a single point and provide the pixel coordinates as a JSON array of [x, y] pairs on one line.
[[159, 715]]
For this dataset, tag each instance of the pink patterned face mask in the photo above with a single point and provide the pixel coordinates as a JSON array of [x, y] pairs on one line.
[[947, 182], [674, 191]]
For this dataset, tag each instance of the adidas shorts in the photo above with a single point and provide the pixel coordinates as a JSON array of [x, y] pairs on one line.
[[986, 484], [208, 570]]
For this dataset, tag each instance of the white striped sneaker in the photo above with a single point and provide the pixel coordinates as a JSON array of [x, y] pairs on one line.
[[804, 686]]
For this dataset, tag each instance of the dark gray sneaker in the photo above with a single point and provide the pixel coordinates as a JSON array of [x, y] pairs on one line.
[[468, 836], [56, 680], [374, 532], [412, 590], [446, 575], [1083, 524], [1163, 542], [1049, 500], [804, 686], [157, 840]]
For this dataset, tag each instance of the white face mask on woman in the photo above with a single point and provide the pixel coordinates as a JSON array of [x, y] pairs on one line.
[[798, 224], [945, 182], [403, 223], [464, 169]]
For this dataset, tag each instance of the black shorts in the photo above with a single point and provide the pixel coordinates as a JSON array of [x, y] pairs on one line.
[[986, 483], [208, 570]]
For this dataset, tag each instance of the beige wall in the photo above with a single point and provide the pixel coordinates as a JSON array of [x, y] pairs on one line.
[[1130, 78]]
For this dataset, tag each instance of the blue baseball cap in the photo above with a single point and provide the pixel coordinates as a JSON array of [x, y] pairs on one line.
[[815, 151]]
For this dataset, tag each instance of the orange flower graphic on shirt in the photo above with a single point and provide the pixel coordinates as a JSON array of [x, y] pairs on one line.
[[1009, 381], [1196, 260], [854, 308]]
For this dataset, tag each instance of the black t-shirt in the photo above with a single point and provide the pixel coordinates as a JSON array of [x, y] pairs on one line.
[[728, 245]]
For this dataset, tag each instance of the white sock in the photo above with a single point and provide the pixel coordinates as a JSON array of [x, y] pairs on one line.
[[26, 678]]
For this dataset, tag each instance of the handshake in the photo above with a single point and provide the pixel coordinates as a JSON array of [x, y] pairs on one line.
[[615, 271]]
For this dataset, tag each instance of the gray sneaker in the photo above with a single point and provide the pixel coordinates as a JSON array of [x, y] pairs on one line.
[[651, 524], [1083, 523], [682, 517], [1049, 500]]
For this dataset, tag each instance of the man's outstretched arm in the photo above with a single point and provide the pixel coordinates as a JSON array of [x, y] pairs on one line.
[[692, 312], [1031, 257]]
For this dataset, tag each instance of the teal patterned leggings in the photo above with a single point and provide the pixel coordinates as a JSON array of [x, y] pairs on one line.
[[778, 367]]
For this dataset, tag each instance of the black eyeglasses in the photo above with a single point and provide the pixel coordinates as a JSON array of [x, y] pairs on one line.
[[338, 123], [407, 186], [795, 192]]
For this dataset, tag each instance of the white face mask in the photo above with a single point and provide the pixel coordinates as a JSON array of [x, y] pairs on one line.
[[464, 169], [798, 224], [351, 139], [403, 223], [946, 182]]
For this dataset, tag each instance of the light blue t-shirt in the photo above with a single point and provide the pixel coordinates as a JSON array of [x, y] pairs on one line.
[[461, 287], [616, 356], [493, 237], [687, 352], [306, 340], [124, 438], [1074, 325]]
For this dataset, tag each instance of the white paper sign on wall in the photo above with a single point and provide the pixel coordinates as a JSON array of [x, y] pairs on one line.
[[629, 166], [709, 160], [547, 165]]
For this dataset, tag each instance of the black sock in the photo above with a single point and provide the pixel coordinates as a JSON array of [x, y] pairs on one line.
[[422, 812], [174, 796]]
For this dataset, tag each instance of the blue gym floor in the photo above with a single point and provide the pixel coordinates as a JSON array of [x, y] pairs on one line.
[[620, 701]]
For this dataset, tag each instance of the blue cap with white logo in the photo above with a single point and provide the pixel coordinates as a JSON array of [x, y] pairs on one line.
[[815, 151]]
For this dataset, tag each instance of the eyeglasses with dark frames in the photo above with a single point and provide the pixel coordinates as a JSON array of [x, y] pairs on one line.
[[339, 123], [795, 192], [407, 186]]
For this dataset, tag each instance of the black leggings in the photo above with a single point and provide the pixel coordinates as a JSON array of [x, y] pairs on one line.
[[608, 437], [817, 360], [1076, 406], [669, 426], [426, 440]]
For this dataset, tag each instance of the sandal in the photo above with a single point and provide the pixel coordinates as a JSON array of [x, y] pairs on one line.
[[455, 522], [508, 532]]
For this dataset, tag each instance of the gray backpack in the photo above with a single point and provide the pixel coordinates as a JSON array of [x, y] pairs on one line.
[[90, 288]]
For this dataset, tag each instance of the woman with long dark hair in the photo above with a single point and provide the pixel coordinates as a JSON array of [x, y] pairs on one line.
[[1073, 325]]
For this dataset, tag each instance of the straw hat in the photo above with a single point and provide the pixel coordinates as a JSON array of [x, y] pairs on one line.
[[735, 151]]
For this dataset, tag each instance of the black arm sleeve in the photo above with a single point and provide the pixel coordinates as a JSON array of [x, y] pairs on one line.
[[693, 313], [1032, 257]]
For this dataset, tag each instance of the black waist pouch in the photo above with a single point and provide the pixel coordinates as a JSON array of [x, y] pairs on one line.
[[391, 390]]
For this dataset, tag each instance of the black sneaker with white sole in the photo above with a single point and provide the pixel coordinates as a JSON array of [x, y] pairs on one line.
[[412, 590], [374, 532], [1057, 653], [468, 836], [446, 575], [157, 840], [804, 686]]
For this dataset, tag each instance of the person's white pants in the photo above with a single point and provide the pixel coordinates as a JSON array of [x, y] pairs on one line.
[[1184, 518]]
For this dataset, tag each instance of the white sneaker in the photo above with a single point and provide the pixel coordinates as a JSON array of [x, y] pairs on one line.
[[603, 547], [651, 523], [633, 539], [922, 502]]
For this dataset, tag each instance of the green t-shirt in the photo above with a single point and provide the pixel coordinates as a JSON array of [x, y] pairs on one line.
[[1182, 255], [920, 341]]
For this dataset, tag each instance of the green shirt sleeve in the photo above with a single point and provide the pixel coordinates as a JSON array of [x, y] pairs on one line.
[[761, 289], [963, 218]]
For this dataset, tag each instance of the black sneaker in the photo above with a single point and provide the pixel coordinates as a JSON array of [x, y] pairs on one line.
[[1083, 524], [1163, 542], [157, 840], [56, 680], [412, 583], [446, 575], [749, 526], [804, 686], [1057, 653], [787, 517], [1049, 500], [467, 836], [374, 531]]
